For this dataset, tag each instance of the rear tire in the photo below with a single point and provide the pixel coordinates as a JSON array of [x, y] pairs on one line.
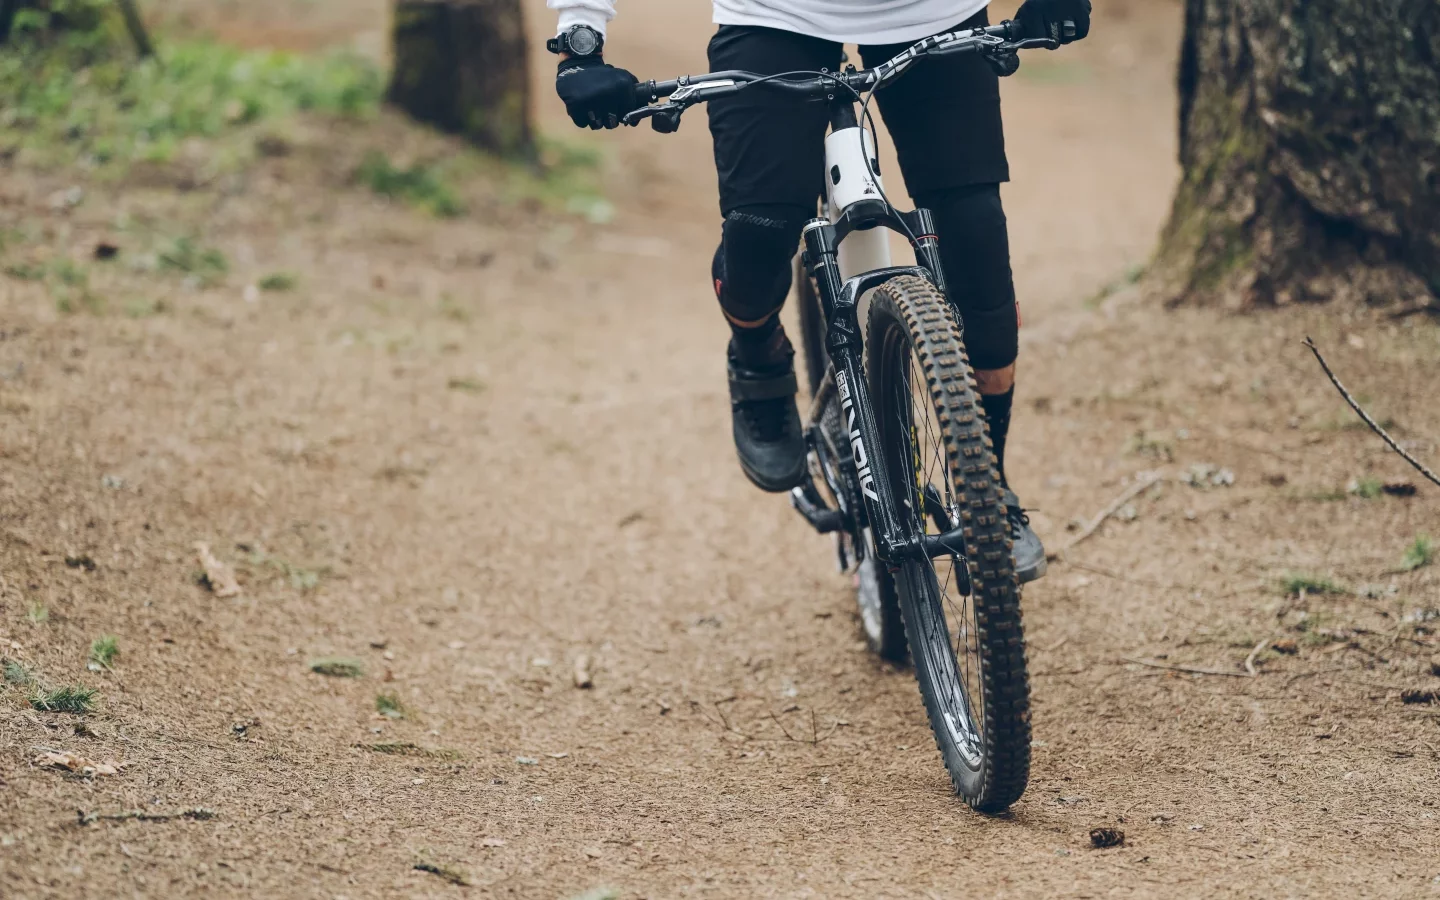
[[874, 584], [968, 649]]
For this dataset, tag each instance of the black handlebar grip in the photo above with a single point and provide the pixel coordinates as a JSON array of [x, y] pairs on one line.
[[644, 91], [666, 121]]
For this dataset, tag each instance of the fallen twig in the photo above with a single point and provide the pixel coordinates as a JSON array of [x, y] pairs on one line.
[[815, 737], [1051, 648], [449, 873], [1130, 493], [1419, 466], [136, 26], [1250, 660], [1189, 669], [724, 720], [198, 814]]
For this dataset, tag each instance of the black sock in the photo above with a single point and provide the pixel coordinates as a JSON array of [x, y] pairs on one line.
[[997, 413], [763, 346]]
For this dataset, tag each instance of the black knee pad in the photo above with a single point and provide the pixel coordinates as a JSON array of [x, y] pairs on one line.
[[975, 251], [752, 264]]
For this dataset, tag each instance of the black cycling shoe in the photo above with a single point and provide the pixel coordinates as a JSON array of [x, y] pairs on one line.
[[768, 437], [1030, 561]]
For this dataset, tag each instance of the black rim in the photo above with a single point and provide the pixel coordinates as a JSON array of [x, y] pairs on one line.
[[916, 458]]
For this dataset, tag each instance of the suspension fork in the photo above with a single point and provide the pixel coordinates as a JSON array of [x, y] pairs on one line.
[[846, 348]]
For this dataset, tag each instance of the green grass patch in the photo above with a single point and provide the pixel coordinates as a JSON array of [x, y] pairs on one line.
[[419, 185], [71, 699], [1295, 582], [38, 613], [1419, 554], [184, 256], [16, 673], [300, 578], [143, 308], [68, 282], [1367, 488], [468, 385], [565, 176], [1151, 445], [389, 706], [1321, 495], [104, 649], [80, 94], [338, 667], [25, 271], [1130, 276], [277, 282]]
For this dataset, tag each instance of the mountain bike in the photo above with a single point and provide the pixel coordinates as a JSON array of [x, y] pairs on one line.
[[901, 467]]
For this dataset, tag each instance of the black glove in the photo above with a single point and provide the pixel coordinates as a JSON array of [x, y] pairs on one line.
[[1061, 21], [596, 95]]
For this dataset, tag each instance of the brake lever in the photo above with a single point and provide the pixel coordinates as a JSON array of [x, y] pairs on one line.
[[1030, 44], [636, 116], [664, 117], [1004, 59]]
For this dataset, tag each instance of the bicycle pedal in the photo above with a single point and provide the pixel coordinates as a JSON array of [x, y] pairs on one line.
[[808, 502]]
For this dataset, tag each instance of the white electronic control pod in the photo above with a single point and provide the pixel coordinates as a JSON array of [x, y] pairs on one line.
[[848, 181]]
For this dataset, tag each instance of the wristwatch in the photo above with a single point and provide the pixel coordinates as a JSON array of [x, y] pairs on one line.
[[580, 40]]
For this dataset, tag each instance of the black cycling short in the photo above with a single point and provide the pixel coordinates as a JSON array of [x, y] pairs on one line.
[[943, 115]]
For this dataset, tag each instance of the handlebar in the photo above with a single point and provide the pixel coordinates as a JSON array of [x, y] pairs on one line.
[[999, 43]]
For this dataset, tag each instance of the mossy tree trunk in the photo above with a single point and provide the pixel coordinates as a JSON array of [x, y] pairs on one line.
[[1310, 144], [461, 65]]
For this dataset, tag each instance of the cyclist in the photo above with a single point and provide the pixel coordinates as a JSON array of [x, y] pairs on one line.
[[944, 118]]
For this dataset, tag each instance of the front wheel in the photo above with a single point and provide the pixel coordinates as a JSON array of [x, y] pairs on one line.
[[961, 614]]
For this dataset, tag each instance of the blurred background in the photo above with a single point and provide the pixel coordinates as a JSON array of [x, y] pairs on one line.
[[369, 515]]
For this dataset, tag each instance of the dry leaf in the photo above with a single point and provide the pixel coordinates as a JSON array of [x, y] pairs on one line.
[[219, 576], [74, 762]]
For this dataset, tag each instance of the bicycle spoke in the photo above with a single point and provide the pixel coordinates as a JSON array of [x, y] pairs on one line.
[[923, 463]]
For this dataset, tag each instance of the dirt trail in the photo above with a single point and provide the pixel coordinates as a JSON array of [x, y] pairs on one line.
[[468, 453]]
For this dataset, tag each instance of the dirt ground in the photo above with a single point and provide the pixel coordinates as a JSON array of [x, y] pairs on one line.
[[468, 453]]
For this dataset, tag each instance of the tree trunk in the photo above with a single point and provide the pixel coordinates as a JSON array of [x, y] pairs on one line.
[[461, 65], [1310, 144]]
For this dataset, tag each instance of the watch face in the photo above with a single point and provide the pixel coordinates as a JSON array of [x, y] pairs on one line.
[[583, 42]]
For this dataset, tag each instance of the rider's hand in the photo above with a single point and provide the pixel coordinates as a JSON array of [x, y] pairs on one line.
[[1061, 21], [596, 95]]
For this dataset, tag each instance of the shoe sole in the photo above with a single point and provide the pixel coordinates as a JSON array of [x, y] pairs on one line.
[[1025, 576], [774, 487]]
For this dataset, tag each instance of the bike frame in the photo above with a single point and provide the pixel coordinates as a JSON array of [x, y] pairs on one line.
[[848, 255]]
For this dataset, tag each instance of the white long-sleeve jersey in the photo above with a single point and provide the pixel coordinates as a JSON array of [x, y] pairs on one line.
[[846, 21]]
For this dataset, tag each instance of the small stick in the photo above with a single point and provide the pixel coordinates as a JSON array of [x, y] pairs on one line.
[[788, 736], [1130, 494], [1055, 646], [1419, 466], [1250, 660], [136, 26], [1190, 669], [198, 814]]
